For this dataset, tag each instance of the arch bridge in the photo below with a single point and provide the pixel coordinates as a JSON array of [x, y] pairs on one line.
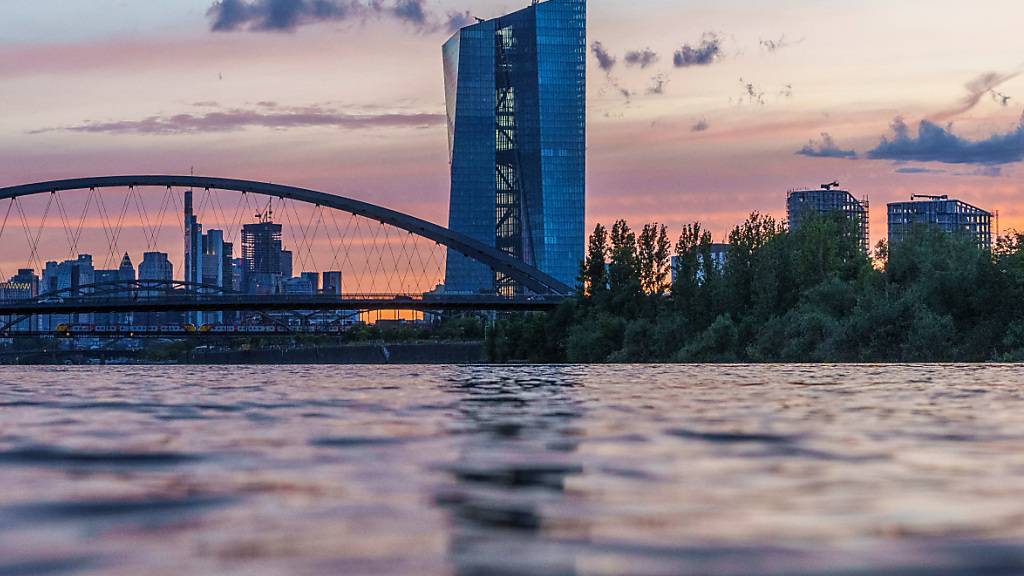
[[540, 291]]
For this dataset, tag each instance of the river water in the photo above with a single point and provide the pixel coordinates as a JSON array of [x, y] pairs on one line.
[[515, 470]]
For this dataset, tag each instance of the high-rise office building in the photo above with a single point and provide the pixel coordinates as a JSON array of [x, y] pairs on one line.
[[332, 283], [314, 280], [947, 214], [68, 275], [286, 263], [829, 199], [193, 244], [27, 276], [516, 99], [300, 286], [156, 266], [22, 286], [213, 269], [126, 271], [227, 271], [261, 257]]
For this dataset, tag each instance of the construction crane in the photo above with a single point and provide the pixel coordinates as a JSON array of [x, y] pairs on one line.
[[830, 186]]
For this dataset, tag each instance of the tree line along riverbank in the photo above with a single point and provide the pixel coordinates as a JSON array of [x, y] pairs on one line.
[[805, 295]]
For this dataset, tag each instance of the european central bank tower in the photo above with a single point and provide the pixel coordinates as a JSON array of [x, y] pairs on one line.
[[516, 96]]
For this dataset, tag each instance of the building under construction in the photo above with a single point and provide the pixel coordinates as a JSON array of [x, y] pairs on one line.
[[950, 215], [804, 203]]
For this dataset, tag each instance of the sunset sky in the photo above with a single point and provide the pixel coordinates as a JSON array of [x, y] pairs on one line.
[[722, 107]]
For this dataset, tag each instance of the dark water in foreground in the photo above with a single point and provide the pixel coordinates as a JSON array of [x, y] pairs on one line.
[[526, 470]]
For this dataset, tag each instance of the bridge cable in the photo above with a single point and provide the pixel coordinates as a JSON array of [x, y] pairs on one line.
[[3, 227], [346, 244], [114, 257], [315, 224], [66, 224], [236, 222], [81, 222], [306, 244], [148, 230], [396, 263], [101, 208], [406, 270], [330, 241], [34, 260], [161, 217]]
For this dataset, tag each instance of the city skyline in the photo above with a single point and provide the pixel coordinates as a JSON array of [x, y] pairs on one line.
[[669, 151]]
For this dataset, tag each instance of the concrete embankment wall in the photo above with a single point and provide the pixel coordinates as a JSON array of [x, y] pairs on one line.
[[427, 353]]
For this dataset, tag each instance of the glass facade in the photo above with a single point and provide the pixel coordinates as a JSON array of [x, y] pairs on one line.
[[516, 100]]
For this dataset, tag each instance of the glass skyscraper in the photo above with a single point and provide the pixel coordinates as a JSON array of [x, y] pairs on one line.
[[516, 97]]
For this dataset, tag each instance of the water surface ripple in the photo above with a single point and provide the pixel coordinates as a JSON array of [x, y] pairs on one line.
[[547, 470]]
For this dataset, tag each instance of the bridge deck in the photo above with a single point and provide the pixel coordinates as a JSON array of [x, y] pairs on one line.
[[199, 303]]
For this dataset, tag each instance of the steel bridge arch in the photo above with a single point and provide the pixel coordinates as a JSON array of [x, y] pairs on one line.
[[530, 277]]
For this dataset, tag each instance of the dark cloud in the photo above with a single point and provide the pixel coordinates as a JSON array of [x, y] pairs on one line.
[[238, 119], [705, 53], [642, 58], [288, 15], [411, 11], [934, 143], [457, 21], [700, 126], [984, 171], [278, 15], [657, 87], [976, 90], [825, 148], [604, 59], [918, 170]]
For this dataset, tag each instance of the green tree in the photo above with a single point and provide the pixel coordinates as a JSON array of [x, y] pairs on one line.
[[594, 271]]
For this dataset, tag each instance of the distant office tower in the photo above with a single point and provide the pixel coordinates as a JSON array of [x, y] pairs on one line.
[[332, 283], [22, 286], [156, 266], [126, 271], [227, 266], [949, 215], [286, 263], [298, 287], [68, 275], [237, 273], [48, 281], [314, 280], [213, 270], [261, 255], [801, 204], [516, 98], [75, 273], [27, 276], [193, 244], [213, 258]]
